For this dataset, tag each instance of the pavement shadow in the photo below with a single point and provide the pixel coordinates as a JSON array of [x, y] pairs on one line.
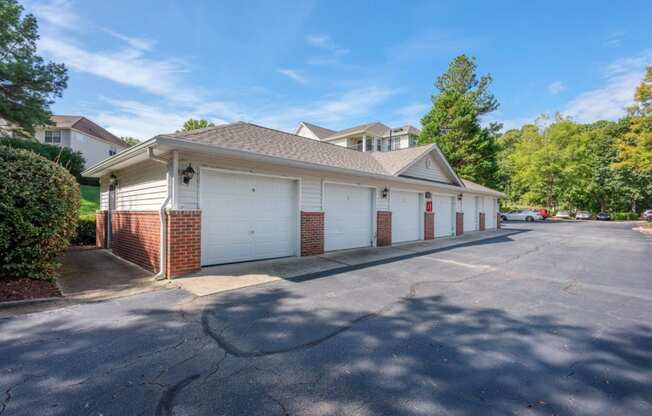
[[274, 351]]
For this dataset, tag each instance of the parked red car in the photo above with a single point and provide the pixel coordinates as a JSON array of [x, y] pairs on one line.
[[544, 213]]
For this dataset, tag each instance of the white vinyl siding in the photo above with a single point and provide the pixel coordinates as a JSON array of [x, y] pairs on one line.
[[311, 181], [427, 168], [142, 187]]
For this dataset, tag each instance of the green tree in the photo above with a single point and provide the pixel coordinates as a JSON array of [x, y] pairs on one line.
[[454, 121], [28, 84], [193, 124], [131, 141]]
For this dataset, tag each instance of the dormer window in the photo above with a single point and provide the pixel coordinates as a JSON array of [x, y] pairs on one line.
[[53, 136]]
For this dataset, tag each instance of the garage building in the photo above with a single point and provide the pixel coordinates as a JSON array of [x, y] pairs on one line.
[[242, 192]]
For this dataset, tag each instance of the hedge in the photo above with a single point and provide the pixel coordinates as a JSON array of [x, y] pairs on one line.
[[625, 216], [69, 159], [85, 232], [39, 202]]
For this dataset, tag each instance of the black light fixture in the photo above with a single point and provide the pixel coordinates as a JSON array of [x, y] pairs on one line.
[[188, 173], [428, 195], [459, 196], [384, 193], [113, 180]]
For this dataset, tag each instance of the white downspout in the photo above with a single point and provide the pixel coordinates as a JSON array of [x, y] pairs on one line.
[[163, 236]]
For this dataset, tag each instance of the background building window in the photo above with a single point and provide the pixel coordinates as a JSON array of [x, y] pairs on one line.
[[413, 141], [369, 144], [53, 136]]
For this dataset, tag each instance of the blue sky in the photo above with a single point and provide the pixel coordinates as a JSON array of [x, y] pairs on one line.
[[143, 67]]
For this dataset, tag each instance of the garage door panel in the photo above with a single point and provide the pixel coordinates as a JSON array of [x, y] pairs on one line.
[[443, 207], [348, 217], [470, 212], [247, 217], [406, 222]]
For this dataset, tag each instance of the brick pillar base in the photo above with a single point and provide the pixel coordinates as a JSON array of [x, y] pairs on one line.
[[459, 223], [312, 233], [498, 220], [100, 228], [384, 228], [482, 221], [183, 254], [428, 225]]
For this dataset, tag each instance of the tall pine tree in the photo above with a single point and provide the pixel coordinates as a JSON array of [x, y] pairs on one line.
[[454, 122]]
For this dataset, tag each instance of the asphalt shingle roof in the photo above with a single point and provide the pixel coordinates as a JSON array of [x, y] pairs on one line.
[[85, 125], [269, 142]]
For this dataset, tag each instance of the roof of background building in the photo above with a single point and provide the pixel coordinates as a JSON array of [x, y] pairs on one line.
[[84, 125]]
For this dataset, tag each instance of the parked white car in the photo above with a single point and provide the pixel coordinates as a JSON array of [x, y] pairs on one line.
[[563, 214], [583, 215], [522, 215]]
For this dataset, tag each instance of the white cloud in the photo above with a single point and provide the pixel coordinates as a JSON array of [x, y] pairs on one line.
[[322, 41], [142, 44], [58, 13], [609, 101], [412, 114], [294, 75], [143, 121], [127, 66], [333, 111], [614, 39], [556, 87], [333, 51]]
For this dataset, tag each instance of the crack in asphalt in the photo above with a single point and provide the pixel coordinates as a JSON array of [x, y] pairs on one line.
[[166, 404]]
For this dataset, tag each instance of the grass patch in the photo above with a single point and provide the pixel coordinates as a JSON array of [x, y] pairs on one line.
[[90, 201]]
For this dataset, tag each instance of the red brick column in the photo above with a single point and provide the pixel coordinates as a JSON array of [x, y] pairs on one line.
[[428, 225], [136, 237], [384, 228], [482, 221], [459, 223], [183, 254], [312, 233], [100, 228], [498, 220]]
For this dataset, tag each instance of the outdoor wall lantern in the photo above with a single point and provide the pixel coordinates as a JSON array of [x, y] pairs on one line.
[[428, 195], [459, 196], [113, 180], [188, 173], [384, 193]]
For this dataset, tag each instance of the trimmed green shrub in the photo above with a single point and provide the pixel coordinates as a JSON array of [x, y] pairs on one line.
[[85, 233], [625, 216], [39, 206], [69, 159]]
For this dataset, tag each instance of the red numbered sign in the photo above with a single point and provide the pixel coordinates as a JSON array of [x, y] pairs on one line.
[[428, 206]]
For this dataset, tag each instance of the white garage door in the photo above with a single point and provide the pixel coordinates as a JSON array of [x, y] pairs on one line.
[[406, 221], [490, 213], [348, 217], [470, 212], [247, 217], [443, 207]]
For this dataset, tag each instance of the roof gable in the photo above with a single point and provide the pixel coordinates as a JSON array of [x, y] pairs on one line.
[[319, 132]]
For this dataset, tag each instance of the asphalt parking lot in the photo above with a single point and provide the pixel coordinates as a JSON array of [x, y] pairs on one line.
[[554, 318]]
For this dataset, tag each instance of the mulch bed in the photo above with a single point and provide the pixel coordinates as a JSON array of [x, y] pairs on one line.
[[24, 288]]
